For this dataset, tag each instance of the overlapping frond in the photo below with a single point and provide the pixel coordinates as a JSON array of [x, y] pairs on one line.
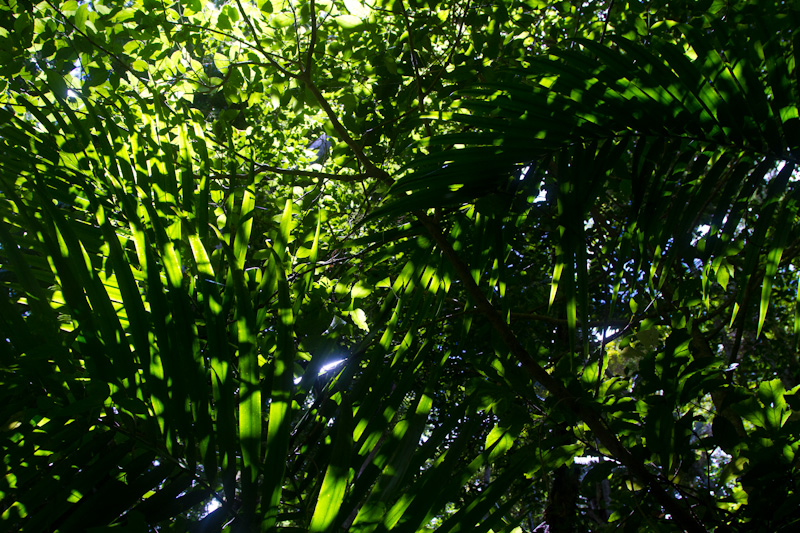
[[157, 362], [655, 172], [683, 132]]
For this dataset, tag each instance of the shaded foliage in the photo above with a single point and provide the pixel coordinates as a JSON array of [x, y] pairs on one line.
[[543, 274]]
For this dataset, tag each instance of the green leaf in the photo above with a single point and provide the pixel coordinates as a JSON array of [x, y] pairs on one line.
[[776, 411], [334, 484], [359, 318]]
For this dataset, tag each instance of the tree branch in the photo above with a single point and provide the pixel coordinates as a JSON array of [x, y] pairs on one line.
[[270, 57], [414, 61], [260, 168], [313, 41], [415, 66], [605, 22], [370, 167]]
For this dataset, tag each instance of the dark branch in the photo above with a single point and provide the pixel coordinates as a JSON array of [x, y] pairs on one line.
[[313, 41], [260, 169], [370, 167]]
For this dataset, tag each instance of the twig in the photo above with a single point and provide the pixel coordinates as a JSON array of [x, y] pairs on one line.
[[313, 41], [371, 169], [605, 23], [414, 61], [269, 56], [260, 169]]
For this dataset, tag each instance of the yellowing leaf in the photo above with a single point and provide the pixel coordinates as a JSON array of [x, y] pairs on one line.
[[221, 62], [356, 8], [81, 15], [503, 438], [359, 318], [360, 291], [123, 14], [282, 20], [724, 274], [348, 21]]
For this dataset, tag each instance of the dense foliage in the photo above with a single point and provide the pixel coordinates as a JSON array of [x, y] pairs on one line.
[[399, 265]]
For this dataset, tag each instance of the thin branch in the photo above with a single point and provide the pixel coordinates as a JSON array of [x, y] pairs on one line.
[[100, 46], [269, 56], [451, 52], [701, 350], [414, 57], [370, 167], [252, 28], [741, 322], [261, 168], [415, 66], [312, 43], [605, 23]]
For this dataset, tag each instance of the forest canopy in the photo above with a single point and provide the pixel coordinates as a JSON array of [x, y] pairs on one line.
[[399, 265]]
